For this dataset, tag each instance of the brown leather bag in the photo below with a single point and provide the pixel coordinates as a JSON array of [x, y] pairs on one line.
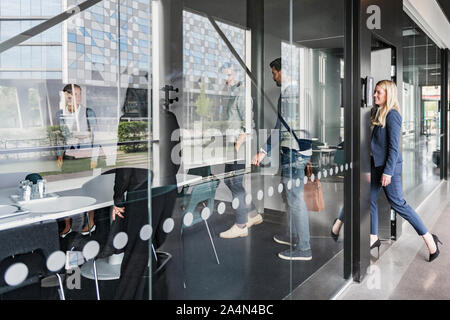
[[313, 192]]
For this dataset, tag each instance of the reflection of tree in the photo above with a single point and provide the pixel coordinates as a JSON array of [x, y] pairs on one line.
[[203, 104], [58, 135], [8, 108]]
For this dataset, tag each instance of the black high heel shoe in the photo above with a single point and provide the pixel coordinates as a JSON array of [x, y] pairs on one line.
[[377, 245], [435, 255], [334, 236]]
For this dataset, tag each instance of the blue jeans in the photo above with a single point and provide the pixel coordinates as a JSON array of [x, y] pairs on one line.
[[237, 190], [293, 169]]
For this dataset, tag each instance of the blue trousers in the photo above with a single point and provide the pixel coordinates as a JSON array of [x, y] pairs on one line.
[[394, 195], [292, 174], [237, 190]]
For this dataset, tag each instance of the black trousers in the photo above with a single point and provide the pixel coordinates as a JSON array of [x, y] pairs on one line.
[[134, 277]]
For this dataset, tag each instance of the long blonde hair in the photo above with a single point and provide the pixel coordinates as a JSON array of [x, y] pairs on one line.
[[391, 103]]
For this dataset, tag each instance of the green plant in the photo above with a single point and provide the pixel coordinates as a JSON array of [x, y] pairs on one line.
[[133, 131]]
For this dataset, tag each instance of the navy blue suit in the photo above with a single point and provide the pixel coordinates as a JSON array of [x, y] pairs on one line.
[[386, 159]]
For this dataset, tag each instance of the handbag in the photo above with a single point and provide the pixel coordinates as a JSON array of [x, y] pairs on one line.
[[313, 194]]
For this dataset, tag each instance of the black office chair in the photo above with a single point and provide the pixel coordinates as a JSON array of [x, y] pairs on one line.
[[30, 245]]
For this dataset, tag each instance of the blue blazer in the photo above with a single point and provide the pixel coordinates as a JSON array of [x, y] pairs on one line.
[[385, 144]]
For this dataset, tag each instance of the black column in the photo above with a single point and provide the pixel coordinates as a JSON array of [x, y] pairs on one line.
[[444, 113], [351, 137]]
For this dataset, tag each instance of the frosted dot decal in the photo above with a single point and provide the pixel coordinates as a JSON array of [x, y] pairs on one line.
[[120, 240], [248, 199], [331, 171], [146, 232], [351, 165], [312, 177], [188, 219], [336, 170], [91, 249], [221, 208], [325, 173], [342, 168], [168, 225], [206, 213], [346, 166], [280, 188], [319, 175], [289, 185], [260, 195], [305, 180], [16, 274], [270, 191], [297, 182], [235, 203], [56, 261]]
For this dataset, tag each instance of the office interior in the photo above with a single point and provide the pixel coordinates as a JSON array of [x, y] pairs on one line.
[[167, 88]]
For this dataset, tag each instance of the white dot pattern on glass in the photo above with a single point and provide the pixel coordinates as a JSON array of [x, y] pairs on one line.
[[91, 249], [168, 225], [260, 195], [342, 168], [146, 232], [289, 185], [325, 173], [16, 274], [297, 182], [120, 240], [331, 171], [346, 166], [235, 203], [336, 170], [221, 208], [313, 177], [206, 213], [56, 261], [351, 165], [319, 175], [188, 219], [270, 191], [305, 180], [248, 199], [280, 188]]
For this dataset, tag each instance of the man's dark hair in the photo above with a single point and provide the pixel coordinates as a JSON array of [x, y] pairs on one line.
[[276, 64], [68, 87], [225, 66]]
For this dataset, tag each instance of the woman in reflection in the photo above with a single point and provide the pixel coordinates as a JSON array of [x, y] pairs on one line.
[[386, 168]]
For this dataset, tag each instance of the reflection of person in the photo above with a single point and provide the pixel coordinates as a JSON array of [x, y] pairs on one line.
[[295, 155], [80, 122], [386, 167], [235, 109], [133, 209]]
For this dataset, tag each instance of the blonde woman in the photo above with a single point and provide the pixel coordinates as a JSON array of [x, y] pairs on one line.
[[386, 168]]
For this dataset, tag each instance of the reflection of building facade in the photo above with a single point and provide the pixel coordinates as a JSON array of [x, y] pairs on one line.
[[94, 51]]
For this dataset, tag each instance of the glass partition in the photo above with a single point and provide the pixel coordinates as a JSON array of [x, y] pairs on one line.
[[190, 149], [420, 110]]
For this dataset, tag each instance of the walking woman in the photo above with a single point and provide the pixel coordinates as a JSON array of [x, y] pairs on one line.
[[386, 168]]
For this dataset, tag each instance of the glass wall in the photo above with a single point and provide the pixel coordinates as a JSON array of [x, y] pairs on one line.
[[190, 149], [420, 110]]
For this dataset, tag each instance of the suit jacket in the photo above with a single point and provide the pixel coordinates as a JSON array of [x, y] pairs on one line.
[[385, 144]]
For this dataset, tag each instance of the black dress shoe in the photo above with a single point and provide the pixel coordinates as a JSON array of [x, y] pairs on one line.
[[334, 236], [435, 255]]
